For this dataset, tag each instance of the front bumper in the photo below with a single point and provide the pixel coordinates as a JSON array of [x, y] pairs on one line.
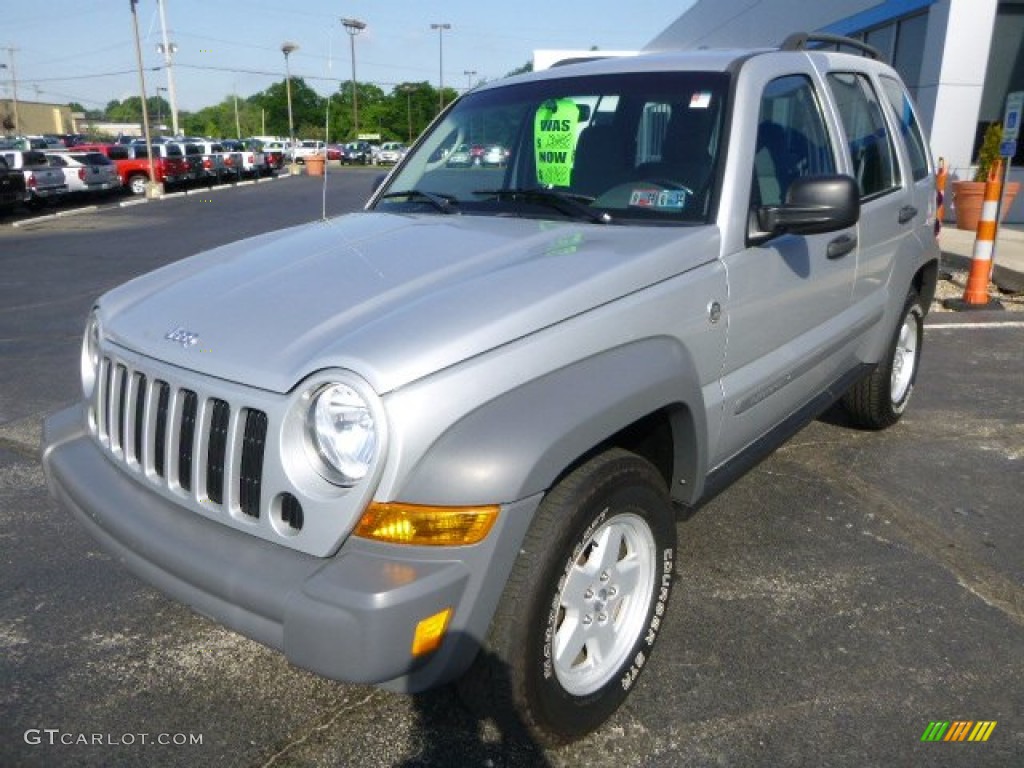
[[350, 617]]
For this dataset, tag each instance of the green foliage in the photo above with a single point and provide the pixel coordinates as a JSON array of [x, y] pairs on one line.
[[988, 154], [408, 108], [527, 67]]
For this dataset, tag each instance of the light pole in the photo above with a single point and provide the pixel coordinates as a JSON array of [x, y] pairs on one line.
[[440, 60], [153, 187], [287, 49], [168, 49], [354, 27], [408, 107], [160, 108], [469, 77], [14, 89]]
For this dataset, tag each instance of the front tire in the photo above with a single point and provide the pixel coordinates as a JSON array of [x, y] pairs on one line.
[[879, 400], [583, 606]]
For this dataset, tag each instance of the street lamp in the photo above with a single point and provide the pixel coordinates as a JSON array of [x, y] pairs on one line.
[[440, 60], [354, 27], [469, 77], [287, 49]]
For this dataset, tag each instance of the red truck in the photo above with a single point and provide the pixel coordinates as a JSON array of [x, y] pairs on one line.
[[169, 165]]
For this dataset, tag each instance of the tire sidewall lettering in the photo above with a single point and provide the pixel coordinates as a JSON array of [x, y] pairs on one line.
[[547, 664]]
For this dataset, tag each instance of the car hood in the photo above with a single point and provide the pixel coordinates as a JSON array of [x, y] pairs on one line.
[[391, 297]]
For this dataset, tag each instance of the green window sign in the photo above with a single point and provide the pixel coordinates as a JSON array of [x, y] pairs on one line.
[[554, 131]]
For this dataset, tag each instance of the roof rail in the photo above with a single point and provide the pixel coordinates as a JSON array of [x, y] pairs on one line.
[[798, 42]]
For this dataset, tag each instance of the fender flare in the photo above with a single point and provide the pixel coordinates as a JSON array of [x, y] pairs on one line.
[[518, 443]]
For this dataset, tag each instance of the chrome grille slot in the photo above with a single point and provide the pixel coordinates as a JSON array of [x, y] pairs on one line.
[[220, 417], [186, 437], [253, 446], [202, 445], [137, 414], [163, 403], [117, 407]]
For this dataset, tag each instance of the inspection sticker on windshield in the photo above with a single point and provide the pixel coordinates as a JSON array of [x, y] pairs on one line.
[[673, 199], [700, 100]]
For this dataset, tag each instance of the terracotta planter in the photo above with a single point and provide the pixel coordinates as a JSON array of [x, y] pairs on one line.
[[968, 197], [315, 165]]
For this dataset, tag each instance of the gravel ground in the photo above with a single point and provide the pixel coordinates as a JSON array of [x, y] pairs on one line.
[[951, 286]]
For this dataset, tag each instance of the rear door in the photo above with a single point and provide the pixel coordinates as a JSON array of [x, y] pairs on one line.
[[889, 211]]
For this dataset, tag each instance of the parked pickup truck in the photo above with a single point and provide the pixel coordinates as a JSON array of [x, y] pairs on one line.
[[253, 161], [42, 182], [460, 452], [133, 164], [12, 187], [86, 172], [306, 148]]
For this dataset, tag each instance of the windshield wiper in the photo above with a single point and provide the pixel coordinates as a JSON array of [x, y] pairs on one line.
[[569, 204], [441, 202]]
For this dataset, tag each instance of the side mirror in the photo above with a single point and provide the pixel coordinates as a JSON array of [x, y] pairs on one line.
[[814, 204], [378, 181]]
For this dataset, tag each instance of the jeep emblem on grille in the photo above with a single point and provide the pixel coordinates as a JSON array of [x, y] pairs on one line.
[[183, 337]]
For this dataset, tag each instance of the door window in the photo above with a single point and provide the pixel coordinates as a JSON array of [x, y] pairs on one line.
[[792, 140], [872, 158]]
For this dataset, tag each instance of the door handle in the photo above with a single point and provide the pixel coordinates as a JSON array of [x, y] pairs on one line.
[[841, 246], [907, 213]]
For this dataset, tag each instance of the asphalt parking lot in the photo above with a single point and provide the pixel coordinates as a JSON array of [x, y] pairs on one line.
[[852, 589]]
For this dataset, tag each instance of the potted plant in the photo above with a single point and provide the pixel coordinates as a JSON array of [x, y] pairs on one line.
[[968, 196]]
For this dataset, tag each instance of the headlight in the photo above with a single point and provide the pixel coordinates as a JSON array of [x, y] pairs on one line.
[[343, 433], [90, 354]]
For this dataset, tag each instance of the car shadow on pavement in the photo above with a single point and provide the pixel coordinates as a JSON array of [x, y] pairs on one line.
[[449, 733]]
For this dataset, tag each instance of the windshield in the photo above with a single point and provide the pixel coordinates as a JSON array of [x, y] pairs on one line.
[[640, 147]]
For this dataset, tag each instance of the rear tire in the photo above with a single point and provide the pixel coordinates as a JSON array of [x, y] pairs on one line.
[[583, 606], [137, 184], [879, 400]]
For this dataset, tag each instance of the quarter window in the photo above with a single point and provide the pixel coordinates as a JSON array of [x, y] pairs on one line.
[[909, 127], [869, 144]]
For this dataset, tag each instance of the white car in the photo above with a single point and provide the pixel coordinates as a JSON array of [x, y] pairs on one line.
[[391, 152]]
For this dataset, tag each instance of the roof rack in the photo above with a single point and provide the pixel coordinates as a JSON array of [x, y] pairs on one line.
[[798, 41]]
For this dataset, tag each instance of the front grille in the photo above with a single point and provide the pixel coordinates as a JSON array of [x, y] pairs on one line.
[[189, 442]]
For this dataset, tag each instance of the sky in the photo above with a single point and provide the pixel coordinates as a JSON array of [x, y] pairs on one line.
[[83, 50]]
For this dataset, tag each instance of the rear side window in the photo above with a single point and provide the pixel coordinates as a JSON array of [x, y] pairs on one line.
[[908, 125], [92, 158], [868, 141], [792, 140], [118, 153]]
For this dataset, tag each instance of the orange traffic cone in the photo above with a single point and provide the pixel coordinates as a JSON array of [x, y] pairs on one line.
[[976, 292], [941, 175]]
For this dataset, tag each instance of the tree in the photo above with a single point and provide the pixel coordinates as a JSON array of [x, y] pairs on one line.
[[527, 67], [307, 107]]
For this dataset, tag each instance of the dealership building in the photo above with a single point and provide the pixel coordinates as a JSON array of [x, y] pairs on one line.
[[960, 58]]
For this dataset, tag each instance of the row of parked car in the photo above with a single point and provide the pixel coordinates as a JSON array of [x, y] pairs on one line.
[[36, 176], [34, 171], [351, 153]]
